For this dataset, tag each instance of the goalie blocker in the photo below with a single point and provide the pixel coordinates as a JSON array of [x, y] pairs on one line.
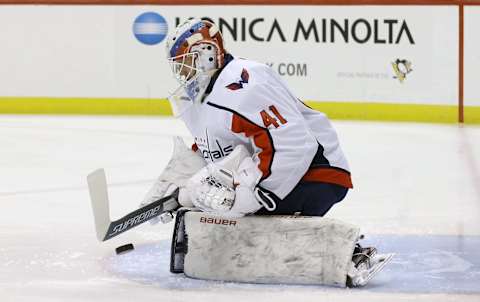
[[263, 249]]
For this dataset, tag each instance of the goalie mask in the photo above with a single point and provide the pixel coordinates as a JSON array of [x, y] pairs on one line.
[[195, 51]]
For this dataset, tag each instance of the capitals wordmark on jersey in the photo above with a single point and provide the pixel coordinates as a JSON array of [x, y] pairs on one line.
[[212, 151]]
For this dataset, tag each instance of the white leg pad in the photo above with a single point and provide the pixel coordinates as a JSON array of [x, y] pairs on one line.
[[269, 249]]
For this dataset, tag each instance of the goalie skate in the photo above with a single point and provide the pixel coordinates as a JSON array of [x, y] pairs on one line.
[[366, 265]]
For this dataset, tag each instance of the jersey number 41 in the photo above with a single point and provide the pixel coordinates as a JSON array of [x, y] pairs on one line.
[[270, 120]]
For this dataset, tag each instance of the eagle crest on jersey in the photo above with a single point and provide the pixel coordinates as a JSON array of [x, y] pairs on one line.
[[195, 52], [244, 76]]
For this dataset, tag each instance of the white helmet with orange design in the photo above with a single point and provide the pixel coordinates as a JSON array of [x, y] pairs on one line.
[[195, 51]]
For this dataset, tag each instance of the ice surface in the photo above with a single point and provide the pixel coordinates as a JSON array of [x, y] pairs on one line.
[[417, 193]]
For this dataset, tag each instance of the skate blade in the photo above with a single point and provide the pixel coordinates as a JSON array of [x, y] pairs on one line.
[[378, 267]]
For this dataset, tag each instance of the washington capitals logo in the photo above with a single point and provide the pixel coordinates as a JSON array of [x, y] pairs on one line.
[[239, 85]]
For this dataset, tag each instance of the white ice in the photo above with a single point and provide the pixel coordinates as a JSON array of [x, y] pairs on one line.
[[410, 179]]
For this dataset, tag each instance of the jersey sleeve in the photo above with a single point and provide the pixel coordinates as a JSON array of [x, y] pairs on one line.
[[283, 146]]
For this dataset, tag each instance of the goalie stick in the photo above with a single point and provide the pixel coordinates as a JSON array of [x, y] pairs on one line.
[[107, 229]]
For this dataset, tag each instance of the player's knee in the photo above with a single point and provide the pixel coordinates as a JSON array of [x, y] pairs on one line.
[[321, 197]]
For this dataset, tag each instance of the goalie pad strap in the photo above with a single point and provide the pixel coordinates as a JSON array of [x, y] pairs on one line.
[[179, 245]]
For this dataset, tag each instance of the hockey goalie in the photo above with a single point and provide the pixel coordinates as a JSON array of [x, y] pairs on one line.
[[251, 193], [263, 171]]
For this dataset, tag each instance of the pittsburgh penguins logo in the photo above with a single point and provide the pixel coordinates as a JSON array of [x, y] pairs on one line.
[[401, 69], [239, 85]]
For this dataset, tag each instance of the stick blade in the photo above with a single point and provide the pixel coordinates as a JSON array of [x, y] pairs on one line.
[[97, 185]]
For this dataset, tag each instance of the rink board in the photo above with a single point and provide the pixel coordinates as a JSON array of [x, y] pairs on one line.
[[326, 53], [334, 110], [345, 56], [422, 265]]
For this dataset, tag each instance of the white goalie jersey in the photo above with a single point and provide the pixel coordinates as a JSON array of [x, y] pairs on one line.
[[250, 105]]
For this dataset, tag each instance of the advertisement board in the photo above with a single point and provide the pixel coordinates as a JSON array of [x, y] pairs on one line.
[[386, 54]]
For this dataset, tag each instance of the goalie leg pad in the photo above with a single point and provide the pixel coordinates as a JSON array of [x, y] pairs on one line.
[[269, 249]]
